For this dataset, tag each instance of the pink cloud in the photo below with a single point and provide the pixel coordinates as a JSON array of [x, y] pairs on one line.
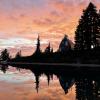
[[47, 17]]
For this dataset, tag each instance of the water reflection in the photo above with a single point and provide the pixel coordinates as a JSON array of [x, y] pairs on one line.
[[3, 68], [87, 83], [88, 89]]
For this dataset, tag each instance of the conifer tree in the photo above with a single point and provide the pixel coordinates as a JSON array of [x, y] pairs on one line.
[[38, 45], [4, 55], [98, 34], [48, 49], [85, 35]]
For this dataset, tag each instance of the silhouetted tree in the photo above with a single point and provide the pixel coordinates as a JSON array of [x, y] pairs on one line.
[[18, 55], [85, 35], [5, 55], [38, 45], [65, 44], [51, 50], [48, 49], [98, 34]]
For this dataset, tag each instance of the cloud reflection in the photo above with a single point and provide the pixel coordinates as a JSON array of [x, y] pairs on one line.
[[25, 89]]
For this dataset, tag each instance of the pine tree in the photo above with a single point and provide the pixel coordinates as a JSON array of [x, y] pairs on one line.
[[48, 49], [85, 35], [18, 55], [38, 45], [98, 34], [4, 55]]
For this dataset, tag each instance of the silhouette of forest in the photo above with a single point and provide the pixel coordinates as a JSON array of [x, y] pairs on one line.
[[86, 48]]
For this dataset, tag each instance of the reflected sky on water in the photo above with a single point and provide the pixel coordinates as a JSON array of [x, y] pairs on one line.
[[44, 83], [21, 85]]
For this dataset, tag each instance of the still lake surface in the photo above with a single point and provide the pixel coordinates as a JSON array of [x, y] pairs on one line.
[[22, 84]]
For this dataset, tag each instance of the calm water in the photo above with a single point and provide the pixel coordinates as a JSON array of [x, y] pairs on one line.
[[24, 84]]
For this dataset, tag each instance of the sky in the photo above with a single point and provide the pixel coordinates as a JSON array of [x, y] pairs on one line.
[[22, 20]]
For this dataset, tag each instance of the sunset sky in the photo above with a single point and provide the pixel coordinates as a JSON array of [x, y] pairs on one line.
[[22, 20]]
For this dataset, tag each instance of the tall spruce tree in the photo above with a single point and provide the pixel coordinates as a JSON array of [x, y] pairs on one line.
[[38, 45], [85, 35], [98, 34]]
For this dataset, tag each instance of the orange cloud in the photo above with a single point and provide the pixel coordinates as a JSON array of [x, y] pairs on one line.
[[51, 20]]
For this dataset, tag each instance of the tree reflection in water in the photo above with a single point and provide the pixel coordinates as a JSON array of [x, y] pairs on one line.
[[87, 83]]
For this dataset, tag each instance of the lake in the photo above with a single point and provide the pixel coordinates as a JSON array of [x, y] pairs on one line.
[[38, 84]]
